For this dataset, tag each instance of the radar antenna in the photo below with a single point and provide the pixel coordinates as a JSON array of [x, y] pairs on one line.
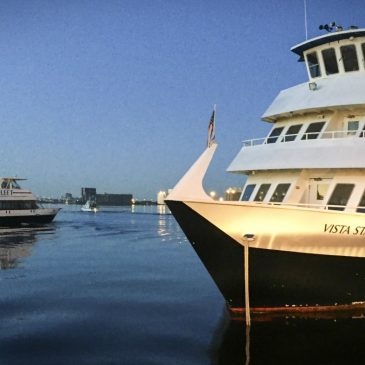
[[335, 27]]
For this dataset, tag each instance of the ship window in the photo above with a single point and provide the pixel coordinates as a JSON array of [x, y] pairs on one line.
[[340, 196], [292, 133], [260, 196], [352, 127], [362, 133], [330, 61], [313, 65], [279, 193], [313, 130], [18, 205], [363, 53], [349, 58], [361, 208], [321, 191], [274, 135], [248, 192]]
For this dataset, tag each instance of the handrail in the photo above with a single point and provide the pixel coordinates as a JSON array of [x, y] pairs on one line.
[[306, 205], [304, 136]]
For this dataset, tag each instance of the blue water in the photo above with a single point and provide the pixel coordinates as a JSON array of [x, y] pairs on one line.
[[123, 286]]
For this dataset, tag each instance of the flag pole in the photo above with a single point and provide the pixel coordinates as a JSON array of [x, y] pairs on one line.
[[211, 129]]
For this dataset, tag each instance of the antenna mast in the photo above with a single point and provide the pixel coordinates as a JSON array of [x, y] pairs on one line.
[[305, 19]]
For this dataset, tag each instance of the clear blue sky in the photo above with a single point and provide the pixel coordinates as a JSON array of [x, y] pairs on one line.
[[117, 95]]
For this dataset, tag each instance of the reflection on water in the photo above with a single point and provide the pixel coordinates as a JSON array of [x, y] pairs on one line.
[[163, 209], [163, 222], [150, 209], [163, 213], [294, 341], [16, 243], [125, 287]]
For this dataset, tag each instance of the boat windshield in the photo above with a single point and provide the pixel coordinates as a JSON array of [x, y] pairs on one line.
[[9, 184]]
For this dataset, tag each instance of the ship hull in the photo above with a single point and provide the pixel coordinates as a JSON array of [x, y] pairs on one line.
[[322, 264], [17, 218]]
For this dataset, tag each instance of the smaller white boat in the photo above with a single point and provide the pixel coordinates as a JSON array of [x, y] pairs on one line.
[[90, 206], [19, 206]]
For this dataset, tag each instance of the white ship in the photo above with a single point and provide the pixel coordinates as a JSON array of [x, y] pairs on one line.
[[301, 212], [19, 206]]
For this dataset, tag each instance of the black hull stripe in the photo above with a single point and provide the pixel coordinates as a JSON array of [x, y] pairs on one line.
[[277, 278], [35, 219]]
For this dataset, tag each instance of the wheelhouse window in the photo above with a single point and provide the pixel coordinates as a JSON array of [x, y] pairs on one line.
[[361, 207], [274, 135], [313, 130], [260, 196], [352, 127], [330, 61], [340, 196], [292, 133], [349, 58], [248, 192], [279, 193], [313, 65], [363, 53]]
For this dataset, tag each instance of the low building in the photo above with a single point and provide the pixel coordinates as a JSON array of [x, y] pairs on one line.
[[114, 199], [161, 196]]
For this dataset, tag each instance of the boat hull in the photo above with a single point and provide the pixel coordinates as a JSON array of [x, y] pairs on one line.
[[313, 267], [17, 218]]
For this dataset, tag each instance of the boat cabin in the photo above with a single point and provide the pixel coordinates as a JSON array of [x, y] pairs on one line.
[[313, 154], [10, 183], [13, 197], [334, 53]]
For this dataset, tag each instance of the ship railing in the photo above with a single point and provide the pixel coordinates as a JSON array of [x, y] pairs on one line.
[[360, 209], [304, 136]]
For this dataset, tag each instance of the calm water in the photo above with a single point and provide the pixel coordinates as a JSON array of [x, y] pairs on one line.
[[124, 287]]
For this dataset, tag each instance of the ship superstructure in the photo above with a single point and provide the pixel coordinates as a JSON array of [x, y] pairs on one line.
[[314, 151], [20, 206], [302, 206]]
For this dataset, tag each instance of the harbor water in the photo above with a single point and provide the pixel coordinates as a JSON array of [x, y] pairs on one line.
[[123, 286]]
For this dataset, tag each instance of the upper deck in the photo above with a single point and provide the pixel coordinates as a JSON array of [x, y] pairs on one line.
[[11, 190], [335, 140], [10, 182], [335, 64]]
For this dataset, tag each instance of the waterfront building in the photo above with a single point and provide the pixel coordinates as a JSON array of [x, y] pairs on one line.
[[161, 196], [114, 199], [87, 193]]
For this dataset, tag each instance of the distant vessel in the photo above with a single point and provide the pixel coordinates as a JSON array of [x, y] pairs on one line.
[[301, 212], [19, 206], [90, 206]]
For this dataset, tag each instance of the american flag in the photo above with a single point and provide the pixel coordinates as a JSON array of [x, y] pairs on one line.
[[211, 129]]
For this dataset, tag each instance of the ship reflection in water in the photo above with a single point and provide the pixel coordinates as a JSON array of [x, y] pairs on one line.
[[290, 340], [17, 243]]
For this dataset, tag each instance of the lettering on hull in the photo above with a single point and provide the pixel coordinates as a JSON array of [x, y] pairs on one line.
[[344, 229]]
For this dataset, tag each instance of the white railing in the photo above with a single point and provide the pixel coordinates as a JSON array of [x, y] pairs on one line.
[[307, 206], [304, 136]]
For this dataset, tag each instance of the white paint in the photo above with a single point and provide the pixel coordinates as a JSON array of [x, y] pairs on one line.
[[190, 185]]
